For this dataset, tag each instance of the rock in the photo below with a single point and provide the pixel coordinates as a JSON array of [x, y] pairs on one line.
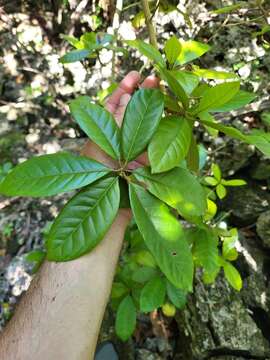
[[261, 169], [263, 228], [246, 203], [143, 354], [234, 156]]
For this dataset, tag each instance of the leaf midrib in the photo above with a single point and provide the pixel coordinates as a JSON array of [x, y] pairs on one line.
[[91, 209], [102, 130], [64, 174], [137, 130]]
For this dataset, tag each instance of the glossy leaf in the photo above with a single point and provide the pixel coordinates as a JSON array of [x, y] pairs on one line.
[[217, 96], [163, 236], [145, 258], [125, 318], [178, 188], [213, 74], [175, 86], [141, 120], [205, 250], [172, 49], [221, 191], [84, 220], [216, 171], [153, 295], [186, 79], [191, 50], [242, 98], [177, 296], [234, 182], [147, 50], [75, 55], [98, 124], [232, 275], [208, 117], [228, 130], [51, 174], [170, 144]]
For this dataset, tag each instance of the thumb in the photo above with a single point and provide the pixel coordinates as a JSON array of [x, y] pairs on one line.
[[120, 111]]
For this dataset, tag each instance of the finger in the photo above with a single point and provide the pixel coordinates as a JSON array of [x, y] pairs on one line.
[[150, 82], [126, 86], [120, 112]]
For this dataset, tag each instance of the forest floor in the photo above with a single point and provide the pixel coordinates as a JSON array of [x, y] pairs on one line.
[[34, 92]]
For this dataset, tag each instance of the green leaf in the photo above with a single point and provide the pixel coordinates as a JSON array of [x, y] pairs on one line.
[[145, 258], [230, 8], [36, 257], [221, 191], [138, 20], [75, 55], [216, 96], [118, 290], [141, 120], [211, 180], [147, 50], [51, 174], [144, 274], [172, 49], [234, 182], [152, 295], [216, 171], [178, 188], [261, 141], [177, 296], [191, 50], [205, 250], [170, 144], [213, 74], [84, 220], [228, 130], [186, 79], [171, 104], [175, 86], [71, 40], [239, 100], [98, 124], [208, 117], [232, 275], [163, 236], [125, 318], [193, 155]]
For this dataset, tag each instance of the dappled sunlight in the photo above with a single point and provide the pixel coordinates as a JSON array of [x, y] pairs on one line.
[[166, 224]]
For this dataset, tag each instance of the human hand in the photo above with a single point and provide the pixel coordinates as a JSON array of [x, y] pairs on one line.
[[116, 104]]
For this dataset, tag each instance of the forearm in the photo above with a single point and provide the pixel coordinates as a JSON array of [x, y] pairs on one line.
[[60, 315]]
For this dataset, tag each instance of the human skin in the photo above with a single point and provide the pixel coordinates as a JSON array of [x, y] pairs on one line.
[[59, 317]]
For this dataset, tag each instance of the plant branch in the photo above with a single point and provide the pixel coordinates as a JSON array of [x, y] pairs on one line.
[[149, 23]]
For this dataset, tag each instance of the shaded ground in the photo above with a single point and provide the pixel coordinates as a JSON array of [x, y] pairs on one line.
[[34, 119]]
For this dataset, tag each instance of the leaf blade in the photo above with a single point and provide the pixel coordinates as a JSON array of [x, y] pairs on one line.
[[98, 124], [84, 221], [170, 144], [178, 188], [152, 295], [126, 311], [217, 96], [47, 175], [163, 236], [141, 120]]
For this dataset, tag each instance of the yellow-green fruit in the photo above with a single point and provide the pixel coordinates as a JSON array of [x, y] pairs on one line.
[[168, 309]]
